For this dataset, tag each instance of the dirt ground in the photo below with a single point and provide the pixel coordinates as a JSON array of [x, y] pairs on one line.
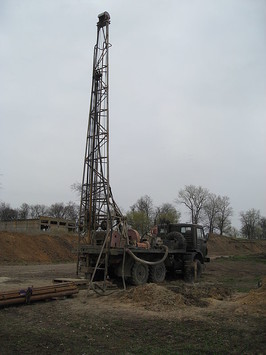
[[224, 312]]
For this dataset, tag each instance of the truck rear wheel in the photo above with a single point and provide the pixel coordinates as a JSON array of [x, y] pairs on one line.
[[157, 273], [139, 274]]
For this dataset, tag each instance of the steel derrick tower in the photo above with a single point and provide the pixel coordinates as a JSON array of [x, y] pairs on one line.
[[99, 215]]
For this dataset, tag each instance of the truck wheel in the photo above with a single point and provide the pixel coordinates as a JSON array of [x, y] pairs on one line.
[[139, 274], [157, 273]]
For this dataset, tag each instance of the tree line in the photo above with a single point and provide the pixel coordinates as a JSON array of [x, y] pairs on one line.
[[26, 211], [212, 211]]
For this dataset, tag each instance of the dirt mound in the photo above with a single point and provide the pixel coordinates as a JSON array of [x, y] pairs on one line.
[[198, 294], [153, 297], [21, 248], [160, 297], [221, 245], [256, 297]]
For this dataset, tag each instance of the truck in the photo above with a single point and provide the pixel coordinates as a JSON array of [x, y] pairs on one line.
[[170, 248]]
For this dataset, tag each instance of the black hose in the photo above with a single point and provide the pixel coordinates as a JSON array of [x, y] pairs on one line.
[[149, 262]]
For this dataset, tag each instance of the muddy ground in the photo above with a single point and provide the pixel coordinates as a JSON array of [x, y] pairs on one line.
[[223, 313]]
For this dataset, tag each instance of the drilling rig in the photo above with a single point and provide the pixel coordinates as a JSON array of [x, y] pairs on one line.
[[99, 215], [107, 247]]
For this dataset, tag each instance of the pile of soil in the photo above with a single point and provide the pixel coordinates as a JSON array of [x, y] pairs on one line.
[[22, 248], [156, 297], [197, 294], [256, 297], [153, 297], [221, 245]]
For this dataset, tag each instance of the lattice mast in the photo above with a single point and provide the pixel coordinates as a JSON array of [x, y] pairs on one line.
[[98, 210]]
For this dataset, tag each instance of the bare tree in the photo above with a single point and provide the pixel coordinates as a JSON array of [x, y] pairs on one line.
[[250, 221], [7, 213], [60, 210], [24, 211], [57, 210], [210, 212], [225, 211], [263, 227], [233, 232], [193, 198], [38, 210], [77, 187], [71, 211]]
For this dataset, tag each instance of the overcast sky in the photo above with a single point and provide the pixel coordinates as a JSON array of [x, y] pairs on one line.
[[187, 99]]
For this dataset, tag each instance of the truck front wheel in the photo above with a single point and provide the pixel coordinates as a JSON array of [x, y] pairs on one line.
[[157, 273], [139, 274]]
